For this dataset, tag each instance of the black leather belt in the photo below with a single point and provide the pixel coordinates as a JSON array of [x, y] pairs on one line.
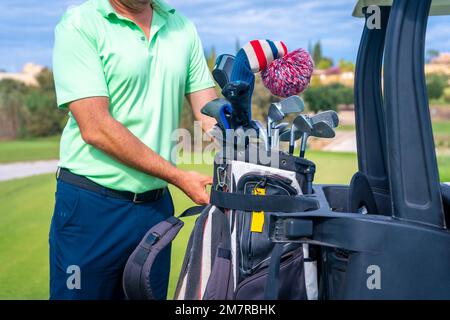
[[84, 183]]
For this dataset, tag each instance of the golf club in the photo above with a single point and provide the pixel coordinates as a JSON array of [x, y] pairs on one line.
[[329, 116], [279, 110], [219, 109], [237, 93], [222, 69], [262, 133], [301, 125], [280, 129], [321, 129]]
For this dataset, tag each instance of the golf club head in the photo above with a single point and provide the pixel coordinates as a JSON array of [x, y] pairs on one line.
[[279, 110], [218, 109], [281, 126], [222, 69], [301, 127], [293, 104], [323, 129], [329, 116], [278, 131], [303, 124], [275, 114], [286, 135]]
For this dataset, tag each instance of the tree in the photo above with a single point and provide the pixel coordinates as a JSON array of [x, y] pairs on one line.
[[317, 53], [447, 95], [42, 117], [211, 58], [325, 64], [328, 97], [346, 65], [310, 48], [12, 109], [436, 85], [431, 54]]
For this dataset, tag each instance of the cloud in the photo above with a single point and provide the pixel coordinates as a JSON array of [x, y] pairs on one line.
[[220, 23]]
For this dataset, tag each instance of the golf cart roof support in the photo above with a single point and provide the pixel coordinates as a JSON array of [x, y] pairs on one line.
[[369, 109], [413, 170]]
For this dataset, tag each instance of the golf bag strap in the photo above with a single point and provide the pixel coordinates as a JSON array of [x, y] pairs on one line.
[[194, 211], [137, 273], [268, 203], [273, 276]]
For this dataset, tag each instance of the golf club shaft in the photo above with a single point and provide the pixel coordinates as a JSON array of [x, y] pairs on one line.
[[275, 139], [292, 141], [303, 147]]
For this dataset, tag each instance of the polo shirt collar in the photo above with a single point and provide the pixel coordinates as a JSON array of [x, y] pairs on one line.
[[106, 9]]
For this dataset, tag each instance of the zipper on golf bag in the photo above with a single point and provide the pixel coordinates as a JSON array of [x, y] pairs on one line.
[[255, 246]]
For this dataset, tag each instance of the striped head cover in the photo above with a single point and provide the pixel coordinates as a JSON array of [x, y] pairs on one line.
[[261, 53]]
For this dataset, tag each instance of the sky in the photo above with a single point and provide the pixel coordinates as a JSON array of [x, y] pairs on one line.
[[26, 28]]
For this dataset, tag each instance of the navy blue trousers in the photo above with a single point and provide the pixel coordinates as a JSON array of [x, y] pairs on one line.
[[91, 238]]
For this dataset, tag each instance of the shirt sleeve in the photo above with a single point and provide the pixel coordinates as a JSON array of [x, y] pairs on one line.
[[199, 77], [77, 67]]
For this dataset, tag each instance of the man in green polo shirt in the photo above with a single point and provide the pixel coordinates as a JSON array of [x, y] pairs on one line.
[[122, 68]]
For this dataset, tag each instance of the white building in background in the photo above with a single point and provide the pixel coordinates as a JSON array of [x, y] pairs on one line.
[[28, 74], [439, 65]]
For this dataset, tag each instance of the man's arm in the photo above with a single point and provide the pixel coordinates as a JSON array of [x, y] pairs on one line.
[[99, 129], [197, 100]]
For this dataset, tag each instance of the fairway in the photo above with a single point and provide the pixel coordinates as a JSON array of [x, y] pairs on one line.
[[29, 150], [26, 209]]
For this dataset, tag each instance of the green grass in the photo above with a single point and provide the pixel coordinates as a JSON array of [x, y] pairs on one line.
[[26, 207], [29, 150], [442, 128]]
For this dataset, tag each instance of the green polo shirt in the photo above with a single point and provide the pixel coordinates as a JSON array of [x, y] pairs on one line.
[[101, 53]]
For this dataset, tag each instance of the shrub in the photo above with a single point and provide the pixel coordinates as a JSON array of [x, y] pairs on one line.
[[328, 97], [436, 85]]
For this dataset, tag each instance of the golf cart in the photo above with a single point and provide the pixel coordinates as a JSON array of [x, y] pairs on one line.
[[385, 235]]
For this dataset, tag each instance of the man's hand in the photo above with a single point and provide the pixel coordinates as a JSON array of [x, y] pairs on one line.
[[194, 184]]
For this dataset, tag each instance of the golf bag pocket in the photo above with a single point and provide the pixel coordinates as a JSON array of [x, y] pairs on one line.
[[253, 232], [291, 281]]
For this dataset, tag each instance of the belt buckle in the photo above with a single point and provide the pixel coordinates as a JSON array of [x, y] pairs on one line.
[[135, 199]]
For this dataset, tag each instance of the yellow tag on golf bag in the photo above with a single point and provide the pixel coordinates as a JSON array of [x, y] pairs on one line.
[[258, 217]]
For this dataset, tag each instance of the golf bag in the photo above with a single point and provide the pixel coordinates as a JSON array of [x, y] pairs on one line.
[[230, 255]]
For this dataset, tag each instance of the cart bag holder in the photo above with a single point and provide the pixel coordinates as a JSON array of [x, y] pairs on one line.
[[229, 254]]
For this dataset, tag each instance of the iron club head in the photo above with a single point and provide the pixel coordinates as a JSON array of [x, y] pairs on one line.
[[279, 110], [301, 126], [328, 116]]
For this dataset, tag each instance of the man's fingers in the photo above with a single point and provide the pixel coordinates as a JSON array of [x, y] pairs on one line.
[[209, 181], [204, 200]]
